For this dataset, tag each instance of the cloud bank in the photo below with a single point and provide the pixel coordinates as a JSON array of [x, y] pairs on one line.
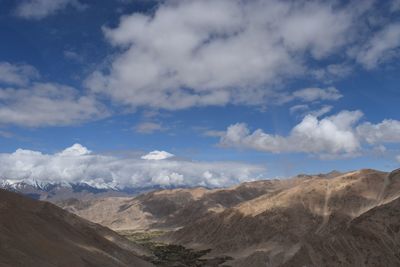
[[200, 53], [77, 164], [210, 53]]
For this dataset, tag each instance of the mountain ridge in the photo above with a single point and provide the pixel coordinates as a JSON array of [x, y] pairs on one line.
[[35, 233], [278, 222]]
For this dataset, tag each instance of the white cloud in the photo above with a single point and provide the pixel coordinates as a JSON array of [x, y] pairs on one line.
[[199, 53], [332, 72], [157, 155], [383, 46], [25, 100], [332, 135], [337, 135], [149, 127], [314, 94], [388, 131], [39, 9], [322, 111], [303, 110], [112, 171], [17, 74], [398, 158], [47, 104], [308, 95], [75, 150]]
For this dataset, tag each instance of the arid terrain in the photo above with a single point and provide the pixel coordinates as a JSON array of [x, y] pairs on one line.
[[335, 219], [34, 233]]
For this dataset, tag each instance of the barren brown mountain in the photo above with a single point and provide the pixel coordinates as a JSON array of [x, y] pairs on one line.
[[337, 219], [321, 221], [34, 233], [169, 209]]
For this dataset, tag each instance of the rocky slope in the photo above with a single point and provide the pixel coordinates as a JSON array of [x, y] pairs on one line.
[[168, 209], [336, 219], [34, 233]]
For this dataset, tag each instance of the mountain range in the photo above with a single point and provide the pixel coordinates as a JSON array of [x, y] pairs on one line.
[[56, 191], [335, 219]]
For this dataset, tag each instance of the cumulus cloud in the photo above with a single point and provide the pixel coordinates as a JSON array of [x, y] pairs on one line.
[[199, 53], [78, 165], [329, 136], [39, 9], [383, 46], [388, 131], [75, 150], [148, 127], [157, 155], [27, 101], [338, 135]]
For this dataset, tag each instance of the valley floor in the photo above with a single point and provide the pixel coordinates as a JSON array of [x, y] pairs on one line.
[[170, 255]]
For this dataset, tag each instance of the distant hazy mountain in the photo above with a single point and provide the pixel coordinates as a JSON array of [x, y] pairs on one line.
[[35, 233], [59, 191], [337, 219]]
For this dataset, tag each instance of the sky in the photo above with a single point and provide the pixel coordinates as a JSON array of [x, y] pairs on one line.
[[196, 92]]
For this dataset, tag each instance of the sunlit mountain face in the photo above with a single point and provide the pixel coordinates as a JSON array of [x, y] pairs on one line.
[[196, 93]]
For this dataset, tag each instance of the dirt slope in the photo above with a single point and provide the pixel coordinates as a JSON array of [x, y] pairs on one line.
[[336, 219], [321, 221], [169, 208], [34, 233]]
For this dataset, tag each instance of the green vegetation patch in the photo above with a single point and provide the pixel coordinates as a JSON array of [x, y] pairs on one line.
[[170, 255]]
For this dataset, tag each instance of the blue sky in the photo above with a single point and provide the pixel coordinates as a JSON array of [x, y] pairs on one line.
[[291, 87]]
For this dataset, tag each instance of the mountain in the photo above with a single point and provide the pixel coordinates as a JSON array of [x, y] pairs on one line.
[[36, 233], [166, 209], [317, 222], [57, 191], [173, 208], [334, 219]]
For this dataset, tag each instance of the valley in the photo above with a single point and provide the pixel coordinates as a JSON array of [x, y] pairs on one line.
[[334, 219]]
